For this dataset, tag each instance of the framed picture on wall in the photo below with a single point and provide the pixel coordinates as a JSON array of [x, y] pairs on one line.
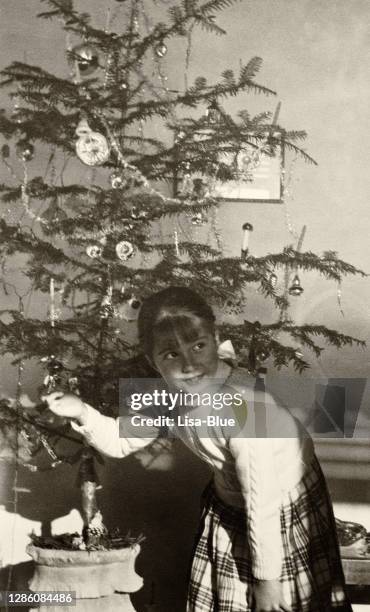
[[263, 182]]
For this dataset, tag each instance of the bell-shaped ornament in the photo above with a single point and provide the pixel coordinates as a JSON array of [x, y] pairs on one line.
[[296, 288]]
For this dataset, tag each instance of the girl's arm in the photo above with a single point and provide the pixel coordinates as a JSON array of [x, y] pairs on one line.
[[109, 435], [256, 470], [112, 437]]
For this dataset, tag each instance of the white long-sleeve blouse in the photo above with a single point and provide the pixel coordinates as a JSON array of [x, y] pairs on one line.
[[252, 473]]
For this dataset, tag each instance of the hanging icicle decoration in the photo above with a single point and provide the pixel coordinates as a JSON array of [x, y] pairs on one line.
[[176, 242], [288, 195], [215, 228], [188, 55], [54, 312], [339, 298]]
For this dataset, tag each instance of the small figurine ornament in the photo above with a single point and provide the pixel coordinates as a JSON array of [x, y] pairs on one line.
[[213, 113], [91, 147], [199, 189], [53, 380], [296, 288]]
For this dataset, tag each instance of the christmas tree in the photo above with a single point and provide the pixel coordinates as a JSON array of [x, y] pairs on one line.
[[96, 243]]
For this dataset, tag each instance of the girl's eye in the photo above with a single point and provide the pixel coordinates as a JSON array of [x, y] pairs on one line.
[[199, 346], [170, 355]]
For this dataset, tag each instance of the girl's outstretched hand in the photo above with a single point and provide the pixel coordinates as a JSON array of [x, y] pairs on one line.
[[267, 596], [66, 405]]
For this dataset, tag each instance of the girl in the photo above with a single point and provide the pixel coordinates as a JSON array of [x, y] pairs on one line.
[[267, 539]]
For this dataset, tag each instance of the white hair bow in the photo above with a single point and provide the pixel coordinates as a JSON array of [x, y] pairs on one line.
[[226, 350]]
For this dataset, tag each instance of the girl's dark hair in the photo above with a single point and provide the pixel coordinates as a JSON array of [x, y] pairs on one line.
[[165, 305]]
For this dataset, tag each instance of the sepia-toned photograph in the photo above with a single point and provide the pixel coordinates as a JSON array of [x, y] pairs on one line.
[[184, 306]]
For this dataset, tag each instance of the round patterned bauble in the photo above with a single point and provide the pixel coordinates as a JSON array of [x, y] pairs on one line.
[[198, 219], [160, 49], [262, 355], [295, 288], [87, 59], [124, 250], [94, 251], [91, 147], [25, 150], [116, 180]]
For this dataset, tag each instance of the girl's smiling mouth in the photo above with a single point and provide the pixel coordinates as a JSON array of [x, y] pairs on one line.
[[192, 379]]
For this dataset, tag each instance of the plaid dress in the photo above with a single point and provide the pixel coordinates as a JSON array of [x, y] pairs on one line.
[[312, 575]]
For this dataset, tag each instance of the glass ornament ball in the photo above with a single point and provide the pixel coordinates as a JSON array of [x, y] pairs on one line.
[[262, 355], [197, 219], [94, 251], [116, 180], [160, 49], [87, 58], [295, 288], [25, 150]]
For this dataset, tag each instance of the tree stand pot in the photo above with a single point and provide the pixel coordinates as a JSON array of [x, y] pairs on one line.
[[90, 574]]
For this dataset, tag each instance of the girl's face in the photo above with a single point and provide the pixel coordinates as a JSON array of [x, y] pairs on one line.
[[185, 351]]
